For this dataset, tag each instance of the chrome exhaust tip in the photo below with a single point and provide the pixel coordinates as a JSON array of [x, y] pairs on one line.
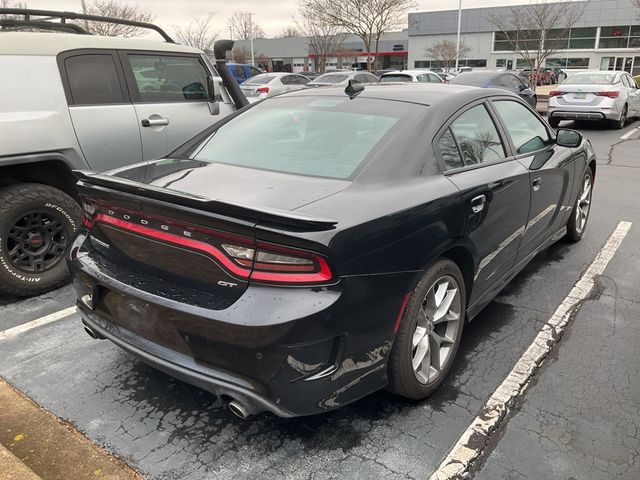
[[238, 409], [92, 334]]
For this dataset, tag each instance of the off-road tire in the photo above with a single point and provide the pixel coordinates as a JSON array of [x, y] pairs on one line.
[[18, 201], [402, 379]]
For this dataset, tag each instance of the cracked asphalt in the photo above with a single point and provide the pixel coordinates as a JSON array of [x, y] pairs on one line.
[[578, 421]]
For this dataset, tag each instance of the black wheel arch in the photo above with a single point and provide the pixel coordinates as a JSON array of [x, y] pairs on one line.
[[52, 169]]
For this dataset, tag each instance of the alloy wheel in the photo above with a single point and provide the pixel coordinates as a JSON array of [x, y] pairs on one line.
[[584, 203], [436, 331], [36, 241]]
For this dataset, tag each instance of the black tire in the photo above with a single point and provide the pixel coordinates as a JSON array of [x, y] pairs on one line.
[[403, 379], [575, 229], [554, 122], [36, 221], [619, 124]]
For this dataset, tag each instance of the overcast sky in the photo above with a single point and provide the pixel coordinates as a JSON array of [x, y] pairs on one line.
[[271, 15]]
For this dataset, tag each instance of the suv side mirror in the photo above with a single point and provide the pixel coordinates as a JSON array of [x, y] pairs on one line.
[[214, 106], [568, 138]]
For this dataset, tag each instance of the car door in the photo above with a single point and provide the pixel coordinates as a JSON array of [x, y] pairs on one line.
[[551, 172], [495, 191], [169, 94], [103, 117]]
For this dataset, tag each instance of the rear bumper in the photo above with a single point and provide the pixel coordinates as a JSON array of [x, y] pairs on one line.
[[606, 110], [289, 351]]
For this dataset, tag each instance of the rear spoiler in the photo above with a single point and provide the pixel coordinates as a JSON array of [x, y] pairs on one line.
[[271, 217]]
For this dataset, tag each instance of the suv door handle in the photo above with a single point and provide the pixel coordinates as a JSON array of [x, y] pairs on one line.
[[536, 183], [154, 122], [477, 203]]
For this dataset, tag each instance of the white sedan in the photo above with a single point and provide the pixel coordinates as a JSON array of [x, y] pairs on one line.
[[420, 76], [595, 95], [270, 84]]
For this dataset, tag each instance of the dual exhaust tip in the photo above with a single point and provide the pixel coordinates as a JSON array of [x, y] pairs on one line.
[[236, 407]]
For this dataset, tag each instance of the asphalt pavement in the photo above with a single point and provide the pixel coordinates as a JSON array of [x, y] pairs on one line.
[[578, 420]]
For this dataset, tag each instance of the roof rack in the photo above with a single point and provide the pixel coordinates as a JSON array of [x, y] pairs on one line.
[[46, 24]]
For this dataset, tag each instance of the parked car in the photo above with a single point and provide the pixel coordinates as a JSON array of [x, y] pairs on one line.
[[93, 103], [505, 80], [341, 78], [270, 84], [324, 256], [419, 76], [241, 72], [595, 95], [545, 76], [446, 77]]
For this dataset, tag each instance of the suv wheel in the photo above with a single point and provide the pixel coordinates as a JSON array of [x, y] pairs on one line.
[[36, 225]]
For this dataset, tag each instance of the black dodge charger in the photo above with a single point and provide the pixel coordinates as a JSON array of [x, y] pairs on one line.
[[321, 245]]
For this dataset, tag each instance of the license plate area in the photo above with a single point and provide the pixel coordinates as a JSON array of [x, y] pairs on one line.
[[580, 96]]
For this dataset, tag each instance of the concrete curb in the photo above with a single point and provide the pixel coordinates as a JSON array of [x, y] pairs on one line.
[[11, 468]]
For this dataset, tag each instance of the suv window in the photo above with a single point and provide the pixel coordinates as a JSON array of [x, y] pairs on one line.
[[477, 137], [161, 78], [93, 79], [527, 132]]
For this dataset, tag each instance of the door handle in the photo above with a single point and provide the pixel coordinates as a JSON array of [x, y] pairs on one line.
[[536, 183], [477, 203], [154, 122]]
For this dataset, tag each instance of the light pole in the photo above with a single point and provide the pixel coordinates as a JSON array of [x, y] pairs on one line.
[[253, 61], [458, 36]]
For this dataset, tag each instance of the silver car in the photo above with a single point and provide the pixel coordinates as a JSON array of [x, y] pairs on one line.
[[420, 76], [341, 79], [595, 95], [270, 84]]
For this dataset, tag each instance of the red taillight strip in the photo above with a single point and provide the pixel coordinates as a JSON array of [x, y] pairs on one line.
[[323, 275], [175, 239]]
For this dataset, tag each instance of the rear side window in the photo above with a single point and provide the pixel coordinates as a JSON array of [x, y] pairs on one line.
[[93, 79], [527, 132], [260, 79], [449, 151], [395, 78], [477, 137], [161, 78]]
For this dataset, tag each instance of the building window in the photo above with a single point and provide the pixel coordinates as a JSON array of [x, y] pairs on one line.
[[421, 64], [567, 63], [620, 37], [575, 38]]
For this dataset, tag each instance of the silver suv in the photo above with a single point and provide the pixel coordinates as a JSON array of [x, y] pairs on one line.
[[77, 101]]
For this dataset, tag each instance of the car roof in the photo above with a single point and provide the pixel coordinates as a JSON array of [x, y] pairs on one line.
[[36, 43], [430, 94], [409, 72]]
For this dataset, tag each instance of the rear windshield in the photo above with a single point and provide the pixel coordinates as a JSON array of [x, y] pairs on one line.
[[311, 135], [331, 78], [395, 78], [259, 79], [591, 78]]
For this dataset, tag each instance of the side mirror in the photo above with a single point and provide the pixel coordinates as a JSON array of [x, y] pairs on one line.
[[214, 106], [211, 89], [568, 138]]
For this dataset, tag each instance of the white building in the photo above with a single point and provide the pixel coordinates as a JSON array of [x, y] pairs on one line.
[[606, 37]]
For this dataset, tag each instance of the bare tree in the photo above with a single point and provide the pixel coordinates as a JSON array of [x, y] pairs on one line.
[[11, 4], [324, 38], [367, 19], [536, 31], [240, 54], [445, 52], [198, 34], [113, 8], [290, 31], [243, 27]]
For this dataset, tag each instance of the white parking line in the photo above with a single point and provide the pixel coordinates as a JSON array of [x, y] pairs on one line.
[[629, 133], [472, 442], [37, 323]]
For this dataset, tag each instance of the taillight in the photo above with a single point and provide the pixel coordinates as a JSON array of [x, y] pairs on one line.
[[262, 90], [261, 262], [278, 264], [608, 94], [556, 93]]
